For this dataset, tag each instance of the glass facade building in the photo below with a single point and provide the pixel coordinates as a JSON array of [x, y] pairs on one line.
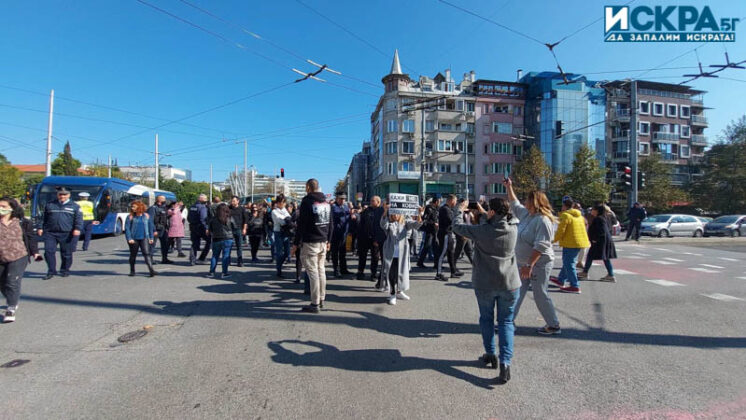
[[577, 108]]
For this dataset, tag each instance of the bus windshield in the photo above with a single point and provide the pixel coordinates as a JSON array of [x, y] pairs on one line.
[[48, 193]]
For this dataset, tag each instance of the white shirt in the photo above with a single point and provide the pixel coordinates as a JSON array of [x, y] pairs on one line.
[[278, 217]]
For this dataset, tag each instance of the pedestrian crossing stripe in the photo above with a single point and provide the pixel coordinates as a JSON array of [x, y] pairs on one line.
[[673, 259], [664, 262], [722, 297], [704, 270], [623, 272], [728, 259], [742, 278], [711, 266], [666, 283]]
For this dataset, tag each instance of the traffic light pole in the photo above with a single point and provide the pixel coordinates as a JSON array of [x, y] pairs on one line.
[[633, 148]]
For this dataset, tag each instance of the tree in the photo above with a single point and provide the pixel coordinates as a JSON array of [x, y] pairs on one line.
[[3, 160], [659, 193], [722, 187], [341, 185], [11, 181], [533, 173], [101, 170], [586, 181], [65, 163]]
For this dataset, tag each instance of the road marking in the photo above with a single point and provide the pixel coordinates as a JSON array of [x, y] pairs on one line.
[[673, 259], [664, 283], [742, 278], [641, 254], [623, 272], [633, 257], [720, 296], [663, 249], [692, 253], [664, 262], [704, 270], [728, 259], [711, 266]]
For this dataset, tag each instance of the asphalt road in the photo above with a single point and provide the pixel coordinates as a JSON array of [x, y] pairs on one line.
[[666, 341]]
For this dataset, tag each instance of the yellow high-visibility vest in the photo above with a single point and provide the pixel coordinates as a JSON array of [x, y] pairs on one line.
[[87, 208]]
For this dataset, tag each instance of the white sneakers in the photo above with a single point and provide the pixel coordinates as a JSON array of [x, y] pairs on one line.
[[402, 296], [391, 300]]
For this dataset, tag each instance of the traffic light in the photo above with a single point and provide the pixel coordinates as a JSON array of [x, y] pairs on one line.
[[627, 176], [558, 128], [640, 180], [282, 173]]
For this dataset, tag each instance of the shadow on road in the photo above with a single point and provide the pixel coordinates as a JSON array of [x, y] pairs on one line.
[[370, 360]]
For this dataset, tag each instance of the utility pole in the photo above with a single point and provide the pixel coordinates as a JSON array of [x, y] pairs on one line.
[[156, 161], [49, 134], [109, 166], [422, 159], [252, 182], [245, 167], [633, 142], [235, 180], [211, 183], [466, 169]]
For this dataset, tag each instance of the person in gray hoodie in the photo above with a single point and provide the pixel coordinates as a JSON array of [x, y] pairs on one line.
[[495, 277]]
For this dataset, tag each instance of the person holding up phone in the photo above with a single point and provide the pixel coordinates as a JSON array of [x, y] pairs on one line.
[[534, 252], [19, 244]]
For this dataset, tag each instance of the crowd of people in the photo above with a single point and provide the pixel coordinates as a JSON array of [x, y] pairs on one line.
[[508, 244]]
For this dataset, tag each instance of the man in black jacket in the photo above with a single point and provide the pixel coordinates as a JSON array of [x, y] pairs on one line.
[[636, 215], [370, 237], [61, 224], [240, 223], [430, 228], [446, 239], [314, 235], [197, 218], [158, 213]]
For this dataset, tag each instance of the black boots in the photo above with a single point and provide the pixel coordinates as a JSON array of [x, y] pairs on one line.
[[489, 359], [504, 376]]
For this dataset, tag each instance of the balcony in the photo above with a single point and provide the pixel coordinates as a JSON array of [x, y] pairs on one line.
[[669, 157], [622, 115], [621, 155], [661, 137], [698, 140], [698, 102], [622, 135], [699, 120]]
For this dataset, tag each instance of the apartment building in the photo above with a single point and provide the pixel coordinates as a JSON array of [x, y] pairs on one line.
[[670, 121], [428, 122], [357, 179], [500, 109]]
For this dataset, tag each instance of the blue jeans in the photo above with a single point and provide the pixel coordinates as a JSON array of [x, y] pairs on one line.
[[607, 263], [569, 272], [221, 247], [506, 301], [281, 245]]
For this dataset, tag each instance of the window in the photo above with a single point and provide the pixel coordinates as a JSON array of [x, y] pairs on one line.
[[470, 148], [471, 171], [391, 126], [486, 108], [407, 126], [499, 149], [644, 128], [502, 128], [390, 104], [518, 150], [459, 105], [502, 109], [449, 87], [407, 166], [684, 151], [430, 126], [672, 110], [644, 148], [458, 168], [429, 167], [470, 127], [390, 148], [470, 106], [446, 126], [407, 147], [390, 168], [428, 146], [497, 188], [686, 131], [445, 168], [517, 110], [658, 109], [445, 146], [458, 146], [497, 168], [684, 111], [644, 108]]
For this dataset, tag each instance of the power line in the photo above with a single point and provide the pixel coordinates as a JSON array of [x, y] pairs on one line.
[[507, 28], [581, 29]]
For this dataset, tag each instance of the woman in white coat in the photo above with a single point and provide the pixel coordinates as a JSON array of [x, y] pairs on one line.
[[396, 253]]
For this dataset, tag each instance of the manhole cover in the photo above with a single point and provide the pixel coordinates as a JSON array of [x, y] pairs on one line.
[[131, 336], [15, 363]]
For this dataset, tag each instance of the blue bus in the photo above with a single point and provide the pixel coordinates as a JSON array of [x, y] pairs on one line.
[[111, 198]]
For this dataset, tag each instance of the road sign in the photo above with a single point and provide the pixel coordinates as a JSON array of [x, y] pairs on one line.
[[405, 204]]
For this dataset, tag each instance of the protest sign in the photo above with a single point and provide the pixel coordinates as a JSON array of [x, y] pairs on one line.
[[405, 204]]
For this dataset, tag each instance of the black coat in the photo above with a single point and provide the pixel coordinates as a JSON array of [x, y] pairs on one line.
[[602, 244]]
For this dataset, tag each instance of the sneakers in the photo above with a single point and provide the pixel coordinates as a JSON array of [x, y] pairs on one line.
[[312, 309], [402, 296], [391, 300], [570, 289], [554, 280], [441, 277], [226, 276], [10, 315], [610, 279], [457, 274], [210, 275], [547, 330], [382, 289], [582, 275]]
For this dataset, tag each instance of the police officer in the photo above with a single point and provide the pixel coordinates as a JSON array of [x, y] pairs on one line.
[[86, 206], [197, 219], [61, 224], [158, 213], [340, 223]]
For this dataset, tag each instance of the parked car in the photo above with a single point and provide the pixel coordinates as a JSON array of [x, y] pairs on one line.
[[703, 219], [733, 225], [666, 225]]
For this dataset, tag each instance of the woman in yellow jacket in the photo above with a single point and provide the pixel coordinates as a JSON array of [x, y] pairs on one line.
[[572, 237]]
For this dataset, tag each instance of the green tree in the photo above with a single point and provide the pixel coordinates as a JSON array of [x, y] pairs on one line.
[[4, 160], [65, 163], [533, 173], [189, 191], [586, 182], [722, 186], [659, 193], [341, 185], [101, 170], [11, 181]]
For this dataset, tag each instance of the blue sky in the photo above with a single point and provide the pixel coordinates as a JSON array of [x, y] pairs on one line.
[[125, 55]]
